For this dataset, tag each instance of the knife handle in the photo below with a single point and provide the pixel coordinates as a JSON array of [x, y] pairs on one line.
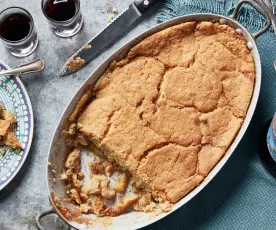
[[144, 5]]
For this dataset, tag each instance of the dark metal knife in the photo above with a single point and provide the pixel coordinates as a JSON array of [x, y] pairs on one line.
[[106, 36]]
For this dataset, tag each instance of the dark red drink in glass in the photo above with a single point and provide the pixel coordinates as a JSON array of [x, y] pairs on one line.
[[61, 10], [15, 27], [17, 31], [64, 16]]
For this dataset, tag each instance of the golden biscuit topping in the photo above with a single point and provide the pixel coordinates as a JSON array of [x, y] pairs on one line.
[[166, 114]]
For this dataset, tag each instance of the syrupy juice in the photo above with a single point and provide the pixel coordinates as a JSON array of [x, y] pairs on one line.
[[61, 10], [15, 27]]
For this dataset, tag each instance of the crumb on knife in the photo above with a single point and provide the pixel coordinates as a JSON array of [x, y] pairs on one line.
[[74, 64], [87, 46]]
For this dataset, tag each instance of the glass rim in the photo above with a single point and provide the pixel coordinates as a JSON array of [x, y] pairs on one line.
[[31, 19], [61, 22]]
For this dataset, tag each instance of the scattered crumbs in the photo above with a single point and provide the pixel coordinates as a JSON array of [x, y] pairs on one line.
[[49, 163], [112, 10], [2, 150], [102, 11], [63, 176], [110, 19], [79, 125], [106, 221], [87, 46], [52, 182]]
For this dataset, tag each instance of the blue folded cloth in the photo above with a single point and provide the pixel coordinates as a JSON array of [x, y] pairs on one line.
[[243, 194]]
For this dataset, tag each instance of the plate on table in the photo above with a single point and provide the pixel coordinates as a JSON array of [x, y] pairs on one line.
[[14, 97]]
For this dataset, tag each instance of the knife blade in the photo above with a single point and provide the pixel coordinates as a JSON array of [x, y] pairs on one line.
[[89, 51]]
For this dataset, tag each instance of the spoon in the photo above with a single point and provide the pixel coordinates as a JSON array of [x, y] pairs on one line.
[[31, 67]]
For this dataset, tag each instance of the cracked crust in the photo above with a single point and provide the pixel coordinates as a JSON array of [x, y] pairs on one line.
[[183, 88], [160, 167], [219, 127], [171, 109], [186, 132]]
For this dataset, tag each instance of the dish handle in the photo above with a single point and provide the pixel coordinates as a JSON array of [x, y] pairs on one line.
[[46, 213], [261, 8]]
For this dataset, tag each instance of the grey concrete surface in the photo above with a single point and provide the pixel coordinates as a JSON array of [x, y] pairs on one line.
[[27, 194]]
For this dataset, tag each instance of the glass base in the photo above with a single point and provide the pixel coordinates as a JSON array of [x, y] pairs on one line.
[[24, 51], [263, 151], [69, 32]]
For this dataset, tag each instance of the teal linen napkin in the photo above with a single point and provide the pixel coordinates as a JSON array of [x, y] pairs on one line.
[[243, 194]]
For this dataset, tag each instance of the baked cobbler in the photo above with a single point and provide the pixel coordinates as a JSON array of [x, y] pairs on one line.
[[163, 118]]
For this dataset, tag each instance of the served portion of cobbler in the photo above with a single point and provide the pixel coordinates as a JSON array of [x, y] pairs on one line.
[[7, 137]]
